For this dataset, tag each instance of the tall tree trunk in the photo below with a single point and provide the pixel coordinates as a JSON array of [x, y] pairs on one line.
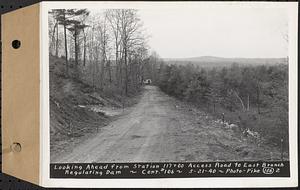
[[52, 44], [117, 64], [109, 71], [122, 68], [84, 49], [76, 46], [96, 68], [93, 75], [240, 99], [66, 47], [102, 78], [56, 44], [76, 53], [257, 98], [103, 62], [126, 71], [94, 60]]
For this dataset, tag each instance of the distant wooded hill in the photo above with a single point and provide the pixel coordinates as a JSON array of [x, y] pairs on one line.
[[210, 61]]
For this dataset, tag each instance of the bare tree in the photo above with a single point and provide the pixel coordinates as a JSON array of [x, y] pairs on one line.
[[103, 40], [131, 27], [113, 17], [111, 44]]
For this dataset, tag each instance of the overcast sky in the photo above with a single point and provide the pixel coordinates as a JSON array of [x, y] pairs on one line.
[[208, 31]]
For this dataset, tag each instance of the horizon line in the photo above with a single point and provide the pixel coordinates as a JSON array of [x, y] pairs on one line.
[[209, 56]]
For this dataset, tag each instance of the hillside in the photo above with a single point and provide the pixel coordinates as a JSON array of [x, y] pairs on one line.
[[77, 111], [210, 61]]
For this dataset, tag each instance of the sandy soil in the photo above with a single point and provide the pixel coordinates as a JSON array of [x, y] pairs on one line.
[[162, 128]]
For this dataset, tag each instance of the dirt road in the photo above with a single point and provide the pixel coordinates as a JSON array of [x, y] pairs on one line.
[[161, 128]]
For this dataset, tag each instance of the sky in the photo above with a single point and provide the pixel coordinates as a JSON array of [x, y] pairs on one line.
[[194, 31]]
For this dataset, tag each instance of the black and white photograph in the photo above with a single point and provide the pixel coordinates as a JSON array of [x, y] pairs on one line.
[[178, 84]]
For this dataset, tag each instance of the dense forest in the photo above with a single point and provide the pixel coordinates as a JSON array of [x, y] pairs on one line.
[[106, 49], [252, 97]]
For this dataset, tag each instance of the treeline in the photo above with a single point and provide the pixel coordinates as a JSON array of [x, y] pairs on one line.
[[105, 49], [253, 97]]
